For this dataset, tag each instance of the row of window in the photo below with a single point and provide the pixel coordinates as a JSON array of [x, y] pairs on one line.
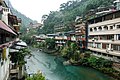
[[116, 47], [100, 28], [104, 46], [106, 37], [105, 18]]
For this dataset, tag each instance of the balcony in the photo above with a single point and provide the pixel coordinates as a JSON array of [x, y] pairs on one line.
[[108, 22], [114, 53], [105, 41], [105, 32]]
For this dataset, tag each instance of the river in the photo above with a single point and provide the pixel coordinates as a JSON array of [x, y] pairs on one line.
[[53, 69]]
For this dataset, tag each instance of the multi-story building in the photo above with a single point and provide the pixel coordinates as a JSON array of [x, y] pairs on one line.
[[80, 32], [8, 34], [104, 36], [58, 29], [35, 25]]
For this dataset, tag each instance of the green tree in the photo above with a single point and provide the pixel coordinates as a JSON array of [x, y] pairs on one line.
[[69, 11], [37, 76], [50, 43]]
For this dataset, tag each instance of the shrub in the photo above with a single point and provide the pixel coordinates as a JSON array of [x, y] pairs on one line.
[[37, 76]]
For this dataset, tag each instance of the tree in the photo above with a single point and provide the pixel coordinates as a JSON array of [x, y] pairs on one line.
[[50, 43], [69, 11]]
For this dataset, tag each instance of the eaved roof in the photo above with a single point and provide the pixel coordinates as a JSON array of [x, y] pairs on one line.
[[6, 28], [112, 12]]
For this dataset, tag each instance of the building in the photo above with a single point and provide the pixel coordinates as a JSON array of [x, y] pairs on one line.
[[52, 36], [59, 29], [104, 36], [40, 38], [80, 32], [9, 28], [7, 37], [100, 11], [35, 25]]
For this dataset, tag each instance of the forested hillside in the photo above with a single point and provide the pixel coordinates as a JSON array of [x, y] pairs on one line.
[[68, 12]]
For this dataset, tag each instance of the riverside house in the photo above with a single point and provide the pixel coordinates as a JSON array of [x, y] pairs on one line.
[[80, 32]]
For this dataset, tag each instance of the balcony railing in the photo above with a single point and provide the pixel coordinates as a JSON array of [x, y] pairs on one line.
[[113, 21]]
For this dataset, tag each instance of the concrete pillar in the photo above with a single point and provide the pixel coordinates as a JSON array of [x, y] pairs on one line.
[[115, 37], [115, 27], [110, 46], [108, 27], [97, 29], [102, 27], [93, 29]]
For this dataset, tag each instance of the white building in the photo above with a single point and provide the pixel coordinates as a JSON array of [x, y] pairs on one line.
[[104, 36]]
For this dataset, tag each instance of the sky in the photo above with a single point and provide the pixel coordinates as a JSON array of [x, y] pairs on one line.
[[34, 9]]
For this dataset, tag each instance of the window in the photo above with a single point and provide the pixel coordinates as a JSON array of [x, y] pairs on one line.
[[95, 29], [116, 47], [103, 46], [118, 26], [111, 27], [105, 28], [110, 37], [118, 36], [98, 45], [100, 28], [91, 30], [89, 44]]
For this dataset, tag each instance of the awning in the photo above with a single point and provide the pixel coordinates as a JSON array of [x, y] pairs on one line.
[[21, 43], [6, 28]]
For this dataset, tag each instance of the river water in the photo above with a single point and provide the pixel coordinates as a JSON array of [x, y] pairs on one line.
[[53, 69]]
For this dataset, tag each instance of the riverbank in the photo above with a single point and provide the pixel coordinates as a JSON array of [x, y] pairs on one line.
[[77, 57], [99, 64], [52, 68]]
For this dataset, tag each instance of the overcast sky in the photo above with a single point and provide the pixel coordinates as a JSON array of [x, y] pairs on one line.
[[34, 9]]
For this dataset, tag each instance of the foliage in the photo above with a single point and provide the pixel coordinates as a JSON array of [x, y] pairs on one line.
[[69, 11], [20, 56], [28, 37], [37, 76], [50, 43], [71, 51], [99, 62]]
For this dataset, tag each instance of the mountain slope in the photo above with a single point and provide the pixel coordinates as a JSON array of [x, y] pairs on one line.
[[25, 20], [68, 12]]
